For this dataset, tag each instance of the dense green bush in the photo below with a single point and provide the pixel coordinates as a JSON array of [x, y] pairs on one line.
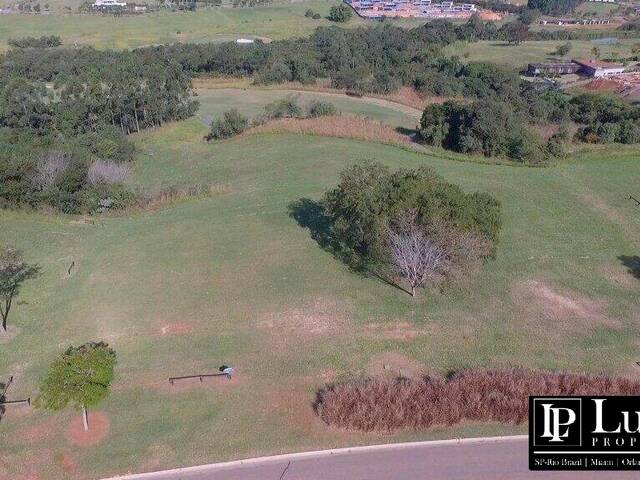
[[284, 108], [369, 197], [39, 170], [232, 123], [340, 13], [321, 109], [498, 124], [487, 127]]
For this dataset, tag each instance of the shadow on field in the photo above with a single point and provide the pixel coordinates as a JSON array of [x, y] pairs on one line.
[[3, 398], [632, 262], [312, 215]]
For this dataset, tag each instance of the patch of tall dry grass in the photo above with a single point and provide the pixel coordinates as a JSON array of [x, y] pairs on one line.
[[174, 194], [339, 126], [383, 404]]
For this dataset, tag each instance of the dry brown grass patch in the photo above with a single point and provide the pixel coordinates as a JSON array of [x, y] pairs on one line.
[[394, 364], [174, 194], [410, 97], [386, 404], [11, 333], [399, 330], [339, 126], [318, 318], [563, 307]]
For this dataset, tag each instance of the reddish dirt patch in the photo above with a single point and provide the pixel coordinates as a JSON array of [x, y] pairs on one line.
[[619, 275], [394, 364], [66, 462], [541, 300], [319, 318], [600, 205], [177, 328], [37, 433], [11, 333], [99, 426], [400, 331], [603, 85]]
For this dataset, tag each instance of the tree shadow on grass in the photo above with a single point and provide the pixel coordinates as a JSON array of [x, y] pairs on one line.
[[3, 398], [632, 262], [311, 214]]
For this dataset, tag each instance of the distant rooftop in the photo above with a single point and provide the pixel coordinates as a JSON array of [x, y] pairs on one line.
[[597, 64]]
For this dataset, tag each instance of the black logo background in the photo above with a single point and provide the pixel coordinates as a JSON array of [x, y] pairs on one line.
[[582, 449]]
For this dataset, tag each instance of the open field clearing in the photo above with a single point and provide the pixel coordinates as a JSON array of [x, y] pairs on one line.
[[535, 51], [219, 24], [233, 279], [251, 102]]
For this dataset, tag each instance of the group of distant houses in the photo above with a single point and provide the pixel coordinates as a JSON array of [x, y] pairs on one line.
[[575, 21], [411, 8], [589, 68], [116, 5]]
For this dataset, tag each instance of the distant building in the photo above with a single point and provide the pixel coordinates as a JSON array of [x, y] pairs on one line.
[[107, 4], [590, 68], [594, 68], [245, 40], [558, 68]]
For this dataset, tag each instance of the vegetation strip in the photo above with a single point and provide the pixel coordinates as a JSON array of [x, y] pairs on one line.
[[390, 404]]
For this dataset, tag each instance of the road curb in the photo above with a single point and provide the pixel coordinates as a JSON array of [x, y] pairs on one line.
[[317, 454]]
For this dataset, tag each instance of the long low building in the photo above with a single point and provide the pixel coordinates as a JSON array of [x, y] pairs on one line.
[[594, 68], [590, 68], [558, 68]]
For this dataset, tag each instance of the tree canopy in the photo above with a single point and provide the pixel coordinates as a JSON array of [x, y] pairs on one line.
[[14, 271], [79, 377]]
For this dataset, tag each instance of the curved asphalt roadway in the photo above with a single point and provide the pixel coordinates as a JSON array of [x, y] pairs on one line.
[[499, 459]]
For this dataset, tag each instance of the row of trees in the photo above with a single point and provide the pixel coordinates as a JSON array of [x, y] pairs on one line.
[[75, 91], [365, 59]]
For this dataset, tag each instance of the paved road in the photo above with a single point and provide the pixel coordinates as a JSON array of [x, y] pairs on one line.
[[496, 460]]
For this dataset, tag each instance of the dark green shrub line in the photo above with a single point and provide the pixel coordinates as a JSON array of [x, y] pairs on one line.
[[46, 41]]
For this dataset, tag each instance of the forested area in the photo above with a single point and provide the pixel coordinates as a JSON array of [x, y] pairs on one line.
[[367, 59], [554, 7], [495, 119], [65, 113], [64, 117], [502, 125]]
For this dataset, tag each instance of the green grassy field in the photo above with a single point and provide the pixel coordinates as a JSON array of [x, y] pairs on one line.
[[234, 279], [519, 55], [251, 102], [598, 9], [216, 24]]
